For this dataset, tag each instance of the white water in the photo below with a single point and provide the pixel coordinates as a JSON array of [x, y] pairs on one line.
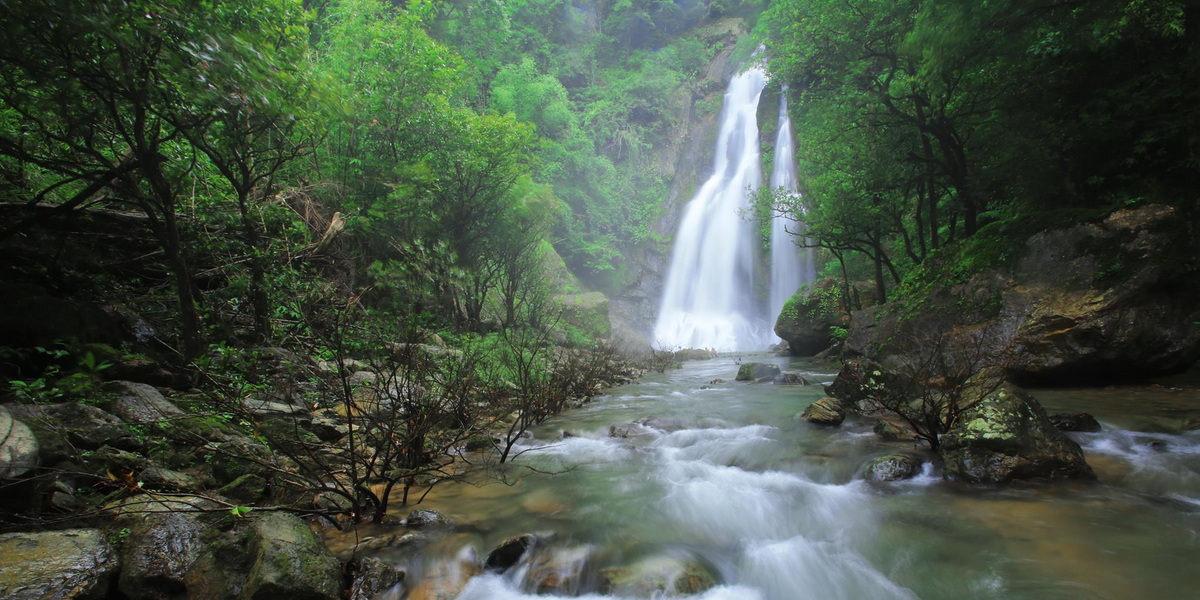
[[708, 300], [791, 265]]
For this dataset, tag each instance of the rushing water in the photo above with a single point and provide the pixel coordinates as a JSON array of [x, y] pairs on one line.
[[720, 476], [791, 265], [708, 298]]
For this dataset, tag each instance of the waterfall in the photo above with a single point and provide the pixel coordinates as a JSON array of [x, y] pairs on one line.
[[791, 266], [708, 300]]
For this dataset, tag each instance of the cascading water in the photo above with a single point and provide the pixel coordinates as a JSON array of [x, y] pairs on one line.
[[708, 300], [791, 266]]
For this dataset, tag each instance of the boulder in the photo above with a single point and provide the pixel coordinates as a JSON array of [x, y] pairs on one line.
[[1007, 436], [825, 411], [1075, 422], [68, 564], [657, 577], [809, 317], [509, 552], [754, 371], [62, 429], [289, 562], [889, 431], [160, 550], [790, 378], [374, 577], [893, 467], [562, 572], [18, 447], [861, 380], [140, 403]]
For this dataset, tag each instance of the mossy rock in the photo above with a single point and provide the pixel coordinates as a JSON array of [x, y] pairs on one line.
[[754, 371], [290, 562]]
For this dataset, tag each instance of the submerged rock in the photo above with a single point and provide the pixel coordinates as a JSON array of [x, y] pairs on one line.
[[754, 371], [790, 378], [657, 577], [1007, 436], [825, 411], [1075, 422], [69, 564]]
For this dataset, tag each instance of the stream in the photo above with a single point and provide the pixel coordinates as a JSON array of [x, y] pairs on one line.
[[721, 479]]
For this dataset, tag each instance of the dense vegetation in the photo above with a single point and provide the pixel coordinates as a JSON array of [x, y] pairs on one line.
[[921, 123], [265, 186]]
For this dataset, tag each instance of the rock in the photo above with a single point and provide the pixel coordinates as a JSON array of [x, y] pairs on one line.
[[560, 572], [62, 429], [289, 562], [1007, 436], [269, 408], [1075, 422], [509, 552], [862, 379], [18, 447], [1093, 303], [424, 517], [825, 411], [248, 488], [657, 577], [693, 354], [754, 371], [145, 371], [68, 564], [237, 457], [159, 552], [809, 318], [891, 432], [140, 403], [160, 479], [893, 467], [374, 577], [790, 378]]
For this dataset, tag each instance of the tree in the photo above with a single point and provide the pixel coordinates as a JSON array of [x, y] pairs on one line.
[[98, 98]]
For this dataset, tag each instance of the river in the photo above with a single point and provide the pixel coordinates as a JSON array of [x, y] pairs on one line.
[[720, 478]]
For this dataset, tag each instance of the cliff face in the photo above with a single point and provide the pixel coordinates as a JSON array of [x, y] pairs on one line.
[[1110, 300], [688, 159]]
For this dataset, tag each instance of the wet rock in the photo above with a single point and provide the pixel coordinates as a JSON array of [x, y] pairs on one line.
[[69, 564], [1007, 436], [657, 577], [1075, 422], [160, 550], [893, 467], [289, 562], [237, 457], [424, 517], [18, 447], [559, 572], [509, 552], [374, 577], [790, 378], [626, 430], [825, 411], [140, 403], [754, 371], [249, 488]]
